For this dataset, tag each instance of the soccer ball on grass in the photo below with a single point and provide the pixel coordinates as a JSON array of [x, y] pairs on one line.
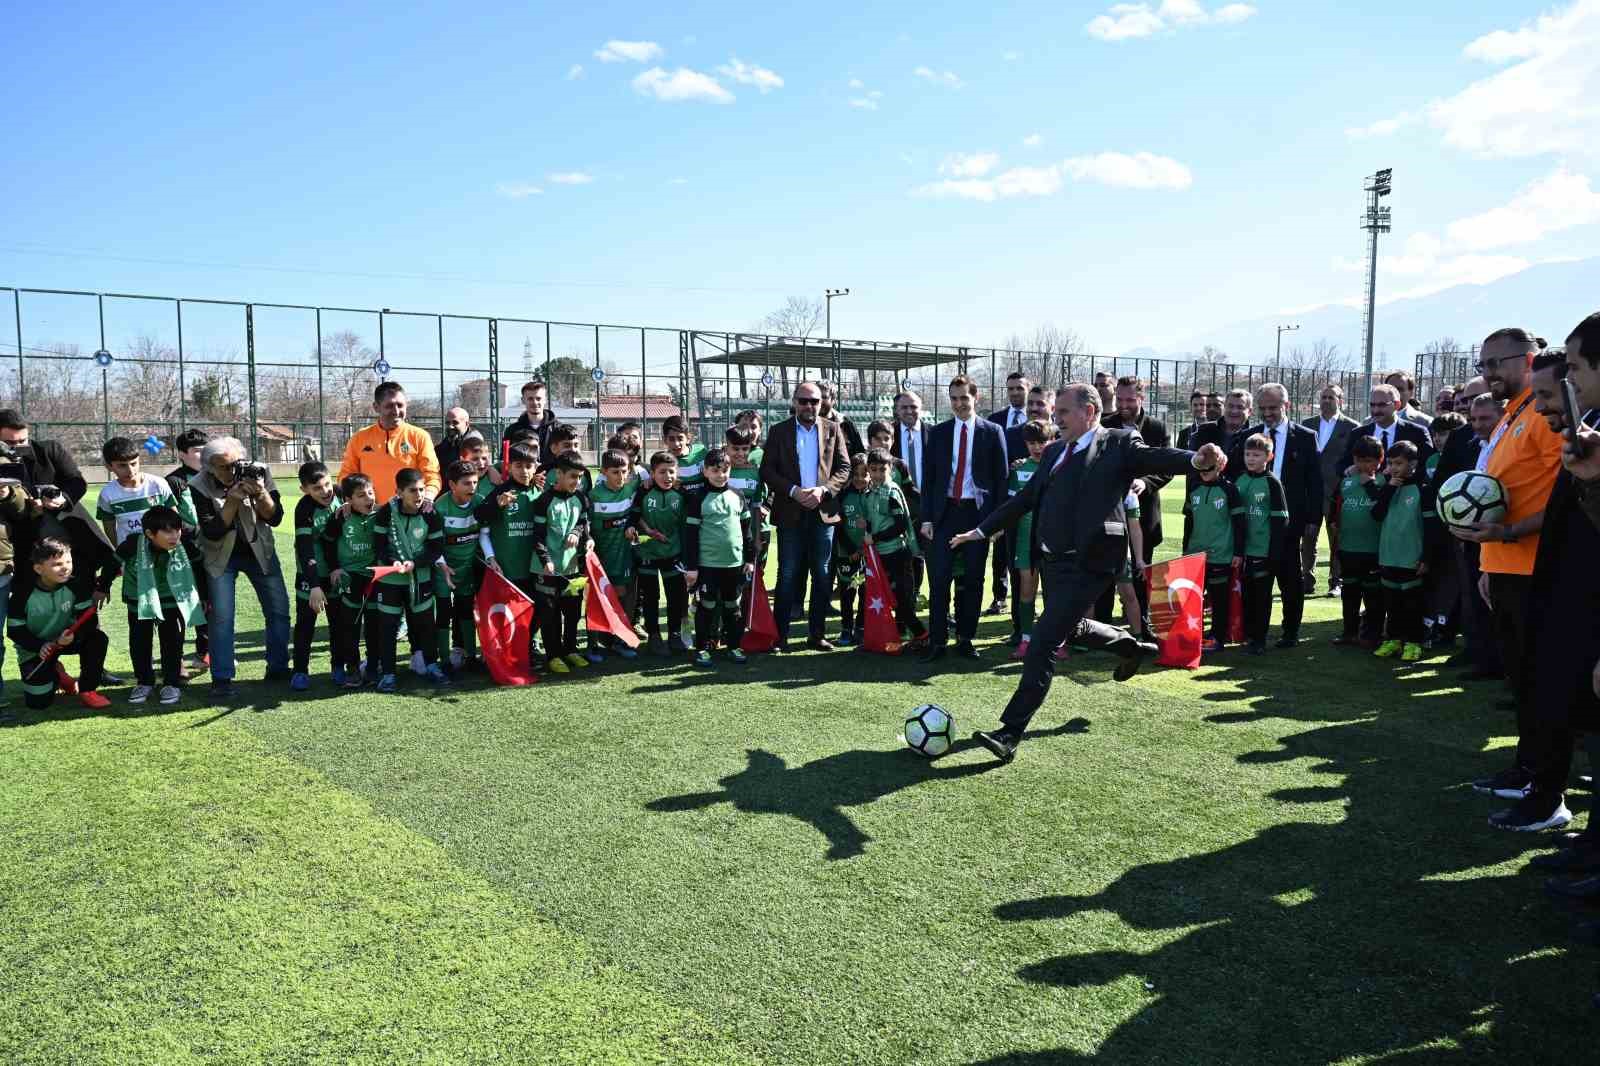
[[930, 730]]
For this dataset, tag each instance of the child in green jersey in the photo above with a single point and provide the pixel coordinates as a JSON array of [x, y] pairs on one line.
[[1352, 526], [1408, 535], [611, 528], [687, 452], [1213, 523], [745, 477], [1036, 435], [564, 441], [347, 543], [506, 516], [455, 580], [407, 536], [37, 620], [848, 518], [1266, 516], [561, 541], [719, 553], [318, 503], [1132, 575], [889, 530], [658, 516], [159, 588]]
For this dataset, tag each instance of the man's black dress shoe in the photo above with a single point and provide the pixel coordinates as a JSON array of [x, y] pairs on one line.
[[965, 650], [1001, 745], [1130, 663]]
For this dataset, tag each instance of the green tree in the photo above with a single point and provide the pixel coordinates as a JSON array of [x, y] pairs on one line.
[[568, 378]]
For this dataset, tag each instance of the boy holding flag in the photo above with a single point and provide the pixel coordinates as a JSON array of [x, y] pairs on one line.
[[159, 588], [49, 621], [719, 552], [560, 539]]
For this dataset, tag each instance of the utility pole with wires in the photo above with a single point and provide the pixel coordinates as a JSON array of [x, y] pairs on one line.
[[1375, 221]]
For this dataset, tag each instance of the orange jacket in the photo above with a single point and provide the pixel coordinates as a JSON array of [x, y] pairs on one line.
[[381, 454]]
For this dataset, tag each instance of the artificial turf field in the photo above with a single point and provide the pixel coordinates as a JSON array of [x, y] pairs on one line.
[[1269, 860]]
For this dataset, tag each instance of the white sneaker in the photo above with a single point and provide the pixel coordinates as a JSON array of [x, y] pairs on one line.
[[686, 640], [457, 657], [169, 695], [140, 693], [418, 667]]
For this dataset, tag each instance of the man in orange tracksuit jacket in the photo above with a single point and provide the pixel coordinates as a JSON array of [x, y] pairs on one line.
[[382, 450]]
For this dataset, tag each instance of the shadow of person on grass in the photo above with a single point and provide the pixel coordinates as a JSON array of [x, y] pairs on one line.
[[817, 792], [1367, 933]]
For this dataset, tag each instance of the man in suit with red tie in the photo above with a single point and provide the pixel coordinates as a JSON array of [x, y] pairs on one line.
[[1077, 501], [963, 481]]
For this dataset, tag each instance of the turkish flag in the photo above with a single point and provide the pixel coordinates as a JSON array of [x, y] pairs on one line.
[[1236, 604], [1177, 609], [878, 629], [505, 626], [604, 613], [760, 628]]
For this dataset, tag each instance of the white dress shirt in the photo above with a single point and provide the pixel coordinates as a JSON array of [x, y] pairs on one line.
[[1325, 428], [1016, 416], [1279, 436], [1386, 437], [969, 490], [911, 452], [807, 443]]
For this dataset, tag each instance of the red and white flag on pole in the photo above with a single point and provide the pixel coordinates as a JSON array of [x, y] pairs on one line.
[[760, 628], [1236, 604], [1177, 609], [604, 612], [505, 628], [879, 632]]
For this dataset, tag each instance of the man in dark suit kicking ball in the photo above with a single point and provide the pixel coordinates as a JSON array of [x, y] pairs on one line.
[[1076, 499]]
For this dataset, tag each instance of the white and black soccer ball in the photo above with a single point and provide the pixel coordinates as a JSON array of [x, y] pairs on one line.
[[930, 730], [1471, 496]]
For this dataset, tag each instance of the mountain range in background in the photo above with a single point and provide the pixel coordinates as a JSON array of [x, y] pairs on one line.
[[1549, 299]]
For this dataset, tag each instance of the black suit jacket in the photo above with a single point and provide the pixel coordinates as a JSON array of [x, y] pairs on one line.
[[1197, 433], [986, 455], [1099, 524], [1564, 654], [1154, 434], [1406, 431], [46, 462], [914, 490], [1301, 477], [1460, 453]]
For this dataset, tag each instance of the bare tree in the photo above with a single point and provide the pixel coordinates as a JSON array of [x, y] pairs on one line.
[[1039, 354], [146, 381], [798, 317], [347, 376]]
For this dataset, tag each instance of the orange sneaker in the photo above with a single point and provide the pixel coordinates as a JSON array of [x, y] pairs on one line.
[[93, 700]]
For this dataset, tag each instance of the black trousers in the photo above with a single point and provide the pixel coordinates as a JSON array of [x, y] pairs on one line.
[[395, 601], [1360, 587], [40, 680], [141, 634], [558, 619], [1219, 597], [1291, 582], [305, 633], [345, 624], [1477, 621], [957, 518], [716, 608], [1402, 603], [898, 565], [1000, 569], [652, 576], [1071, 592], [1511, 595], [1258, 576], [454, 620]]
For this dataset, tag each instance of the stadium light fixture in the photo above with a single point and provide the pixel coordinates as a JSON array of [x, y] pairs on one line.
[[1278, 362], [828, 295]]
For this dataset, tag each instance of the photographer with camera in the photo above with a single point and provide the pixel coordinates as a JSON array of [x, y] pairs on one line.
[[238, 505]]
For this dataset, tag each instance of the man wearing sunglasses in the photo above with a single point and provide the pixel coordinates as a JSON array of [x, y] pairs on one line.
[[806, 463]]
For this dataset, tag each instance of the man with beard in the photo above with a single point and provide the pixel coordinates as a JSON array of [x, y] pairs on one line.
[[1012, 416], [1333, 428]]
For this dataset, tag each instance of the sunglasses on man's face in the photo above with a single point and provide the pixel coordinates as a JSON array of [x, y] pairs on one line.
[[1485, 365], [807, 400]]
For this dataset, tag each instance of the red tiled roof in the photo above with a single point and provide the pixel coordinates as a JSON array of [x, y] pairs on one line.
[[653, 408]]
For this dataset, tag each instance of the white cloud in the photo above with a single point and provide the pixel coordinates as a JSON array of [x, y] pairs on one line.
[[864, 103], [749, 74], [939, 77], [1384, 127], [856, 83], [569, 177], [967, 176], [1547, 101], [1011, 57], [681, 84], [1123, 22], [629, 52], [575, 72], [1033, 140], [968, 165], [1554, 203], [1142, 170], [514, 190]]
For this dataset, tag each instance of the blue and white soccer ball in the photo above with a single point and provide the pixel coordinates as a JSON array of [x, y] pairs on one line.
[[1469, 497], [930, 730]]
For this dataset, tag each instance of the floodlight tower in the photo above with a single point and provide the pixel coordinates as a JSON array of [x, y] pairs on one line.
[[828, 296], [1375, 221]]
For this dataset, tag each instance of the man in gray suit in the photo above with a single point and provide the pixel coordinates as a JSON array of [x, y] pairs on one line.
[[1333, 428]]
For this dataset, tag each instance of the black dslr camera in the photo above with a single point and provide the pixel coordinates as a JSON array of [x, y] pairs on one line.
[[250, 470], [11, 463]]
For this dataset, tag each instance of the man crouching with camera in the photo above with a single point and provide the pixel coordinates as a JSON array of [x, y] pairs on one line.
[[237, 506]]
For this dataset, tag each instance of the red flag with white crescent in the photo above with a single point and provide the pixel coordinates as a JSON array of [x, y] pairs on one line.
[[505, 627], [760, 628], [1177, 609], [604, 612], [1236, 604], [879, 632]]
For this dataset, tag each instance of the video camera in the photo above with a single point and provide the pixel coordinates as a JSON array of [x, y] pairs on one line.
[[250, 470]]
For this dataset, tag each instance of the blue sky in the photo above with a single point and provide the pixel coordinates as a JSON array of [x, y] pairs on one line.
[[1135, 173]]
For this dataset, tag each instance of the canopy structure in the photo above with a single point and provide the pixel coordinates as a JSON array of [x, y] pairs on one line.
[[751, 359]]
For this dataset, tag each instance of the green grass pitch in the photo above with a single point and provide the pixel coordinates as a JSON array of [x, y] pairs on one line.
[[1269, 860]]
